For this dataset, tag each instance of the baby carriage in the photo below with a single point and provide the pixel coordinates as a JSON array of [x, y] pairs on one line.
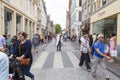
[[14, 70]]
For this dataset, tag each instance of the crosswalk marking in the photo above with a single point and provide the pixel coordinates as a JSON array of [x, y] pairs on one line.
[[58, 63], [40, 62], [73, 58]]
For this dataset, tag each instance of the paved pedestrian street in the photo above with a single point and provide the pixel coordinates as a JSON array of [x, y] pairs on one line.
[[52, 65]]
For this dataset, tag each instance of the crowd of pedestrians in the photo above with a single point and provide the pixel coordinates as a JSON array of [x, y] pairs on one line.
[[93, 47], [19, 47]]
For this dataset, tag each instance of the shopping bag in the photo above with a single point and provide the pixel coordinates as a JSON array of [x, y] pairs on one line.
[[113, 53]]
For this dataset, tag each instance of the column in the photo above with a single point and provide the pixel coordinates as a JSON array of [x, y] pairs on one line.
[[28, 28], [91, 28], [23, 23], [118, 34], [0, 17], [14, 23]]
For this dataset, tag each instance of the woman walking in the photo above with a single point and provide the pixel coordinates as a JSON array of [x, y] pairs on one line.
[[84, 53], [23, 50]]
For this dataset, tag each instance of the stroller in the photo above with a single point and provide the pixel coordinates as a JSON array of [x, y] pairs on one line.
[[14, 70]]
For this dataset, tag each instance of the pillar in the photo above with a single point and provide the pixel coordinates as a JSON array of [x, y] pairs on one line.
[[14, 23], [118, 34]]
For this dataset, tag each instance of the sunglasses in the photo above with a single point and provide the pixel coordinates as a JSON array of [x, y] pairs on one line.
[[101, 37]]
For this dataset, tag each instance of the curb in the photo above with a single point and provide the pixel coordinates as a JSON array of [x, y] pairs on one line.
[[114, 71]]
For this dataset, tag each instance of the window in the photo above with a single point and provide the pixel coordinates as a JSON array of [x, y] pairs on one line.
[[89, 8], [95, 6], [18, 23], [80, 16], [8, 21], [103, 2], [80, 2], [26, 25], [8, 0]]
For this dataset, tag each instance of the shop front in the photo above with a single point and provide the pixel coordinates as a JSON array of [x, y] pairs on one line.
[[105, 26], [106, 20]]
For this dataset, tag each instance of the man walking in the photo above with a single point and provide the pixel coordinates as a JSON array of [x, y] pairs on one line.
[[98, 56], [59, 42]]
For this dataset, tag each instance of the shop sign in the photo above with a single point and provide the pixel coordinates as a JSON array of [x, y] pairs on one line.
[[101, 13]]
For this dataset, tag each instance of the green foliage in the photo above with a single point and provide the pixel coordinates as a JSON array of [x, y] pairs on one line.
[[58, 28]]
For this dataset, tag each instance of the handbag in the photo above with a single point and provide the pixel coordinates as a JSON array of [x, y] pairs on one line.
[[25, 61]]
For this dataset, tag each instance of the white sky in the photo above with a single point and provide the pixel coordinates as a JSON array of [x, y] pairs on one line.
[[57, 11]]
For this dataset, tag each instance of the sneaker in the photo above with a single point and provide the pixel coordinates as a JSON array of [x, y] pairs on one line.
[[89, 70], [111, 60], [94, 75]]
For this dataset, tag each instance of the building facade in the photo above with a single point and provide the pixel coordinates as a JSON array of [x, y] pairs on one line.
[[18, 15], [75, 17], [86, 14], [67, 23], [68, 19], [49, 26], [43, 17], [105, 18]]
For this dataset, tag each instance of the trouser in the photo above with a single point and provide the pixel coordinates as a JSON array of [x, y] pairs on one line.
[[99, 61], [9, 49], [85, 57], [59, 46], [26, 69]]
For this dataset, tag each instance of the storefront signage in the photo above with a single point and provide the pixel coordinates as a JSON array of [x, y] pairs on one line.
[[101, 13]]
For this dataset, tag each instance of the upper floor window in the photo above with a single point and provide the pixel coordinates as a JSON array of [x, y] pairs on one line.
[[80, 2], [80, 16], [89, 8], [103, 2], [95, 6], [8, 0]]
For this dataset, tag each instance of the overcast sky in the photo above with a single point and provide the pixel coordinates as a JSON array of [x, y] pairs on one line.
[[57, 10]]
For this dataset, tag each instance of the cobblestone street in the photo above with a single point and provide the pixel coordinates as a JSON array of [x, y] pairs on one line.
[[52, 65]]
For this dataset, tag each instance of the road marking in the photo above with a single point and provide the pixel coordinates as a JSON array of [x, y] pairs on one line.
[[73, 58], [40, 62], [58, 63]]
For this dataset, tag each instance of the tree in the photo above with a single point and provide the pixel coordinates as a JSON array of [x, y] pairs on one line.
[[58, 28]]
